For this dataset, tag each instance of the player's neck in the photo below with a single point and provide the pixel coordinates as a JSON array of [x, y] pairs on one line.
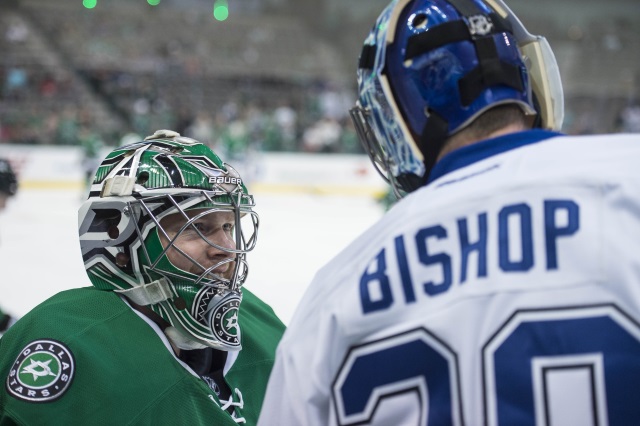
[[459, 141]]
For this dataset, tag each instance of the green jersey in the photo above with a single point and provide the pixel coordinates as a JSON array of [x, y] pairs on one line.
[[84, 356]]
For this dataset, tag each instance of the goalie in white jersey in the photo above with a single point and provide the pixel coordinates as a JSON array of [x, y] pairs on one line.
[[504, 287]]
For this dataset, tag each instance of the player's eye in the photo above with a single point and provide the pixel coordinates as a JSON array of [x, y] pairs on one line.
[[202, 227]]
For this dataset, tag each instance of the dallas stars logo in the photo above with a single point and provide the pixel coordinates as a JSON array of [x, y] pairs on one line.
[[224, 321], [42, 371]]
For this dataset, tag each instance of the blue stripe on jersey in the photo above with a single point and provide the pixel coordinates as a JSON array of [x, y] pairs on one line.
[[470, 154]]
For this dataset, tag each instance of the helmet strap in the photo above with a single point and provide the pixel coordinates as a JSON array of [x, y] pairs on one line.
[[489, 72], [432, 139], [150, 293], [436, 132], [118, 186]]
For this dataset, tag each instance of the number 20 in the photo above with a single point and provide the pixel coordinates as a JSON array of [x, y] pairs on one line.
[[541, 367]]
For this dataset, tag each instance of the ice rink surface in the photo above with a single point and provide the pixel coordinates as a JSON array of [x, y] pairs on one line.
[[299, 233]]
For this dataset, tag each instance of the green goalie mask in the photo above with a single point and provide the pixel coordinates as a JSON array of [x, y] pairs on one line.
[[168, 225]]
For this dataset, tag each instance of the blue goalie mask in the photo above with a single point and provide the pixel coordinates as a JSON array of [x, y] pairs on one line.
[[428, 68]]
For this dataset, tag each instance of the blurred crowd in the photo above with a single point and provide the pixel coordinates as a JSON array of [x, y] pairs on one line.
[[61, 83], [320, 124], [102, 87]]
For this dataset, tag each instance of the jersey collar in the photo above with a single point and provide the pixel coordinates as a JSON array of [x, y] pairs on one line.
[[470, 154]]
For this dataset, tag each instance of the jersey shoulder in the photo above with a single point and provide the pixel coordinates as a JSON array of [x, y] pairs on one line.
[[590, 157], [85, 355]]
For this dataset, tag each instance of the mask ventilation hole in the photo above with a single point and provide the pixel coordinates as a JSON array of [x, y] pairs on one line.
[[143, 177], [419, 21]]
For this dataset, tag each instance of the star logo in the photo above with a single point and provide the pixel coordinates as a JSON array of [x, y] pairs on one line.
[[39, 369], [224, 322], [232, 321], [42, 371]]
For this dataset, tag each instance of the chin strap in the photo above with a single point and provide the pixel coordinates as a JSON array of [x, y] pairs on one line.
[[156, 292], [161, 291], [151, 293]]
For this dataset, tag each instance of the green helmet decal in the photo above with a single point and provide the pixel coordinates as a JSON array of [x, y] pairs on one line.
[[176, 182]]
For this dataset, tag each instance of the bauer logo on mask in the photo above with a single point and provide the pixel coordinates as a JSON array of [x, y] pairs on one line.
[[220, 180]]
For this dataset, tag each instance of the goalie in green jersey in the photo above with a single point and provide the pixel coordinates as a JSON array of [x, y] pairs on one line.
[[167, 334]]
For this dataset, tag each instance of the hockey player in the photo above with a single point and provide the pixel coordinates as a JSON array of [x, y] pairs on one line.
[[8, 188], [8, 182], [503, 288], [167, 334]]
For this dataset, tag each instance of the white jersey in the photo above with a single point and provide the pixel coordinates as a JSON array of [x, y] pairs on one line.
[[505, 292]]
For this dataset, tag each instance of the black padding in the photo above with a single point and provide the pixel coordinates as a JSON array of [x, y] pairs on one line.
[[436, 37], [434, 135], [449, 32], [367, 56], [465, 7], [490, 72]]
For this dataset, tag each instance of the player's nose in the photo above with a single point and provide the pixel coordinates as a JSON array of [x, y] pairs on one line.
[[220, 246]]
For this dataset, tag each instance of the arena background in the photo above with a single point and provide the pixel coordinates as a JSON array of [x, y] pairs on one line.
[[267, 83]]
